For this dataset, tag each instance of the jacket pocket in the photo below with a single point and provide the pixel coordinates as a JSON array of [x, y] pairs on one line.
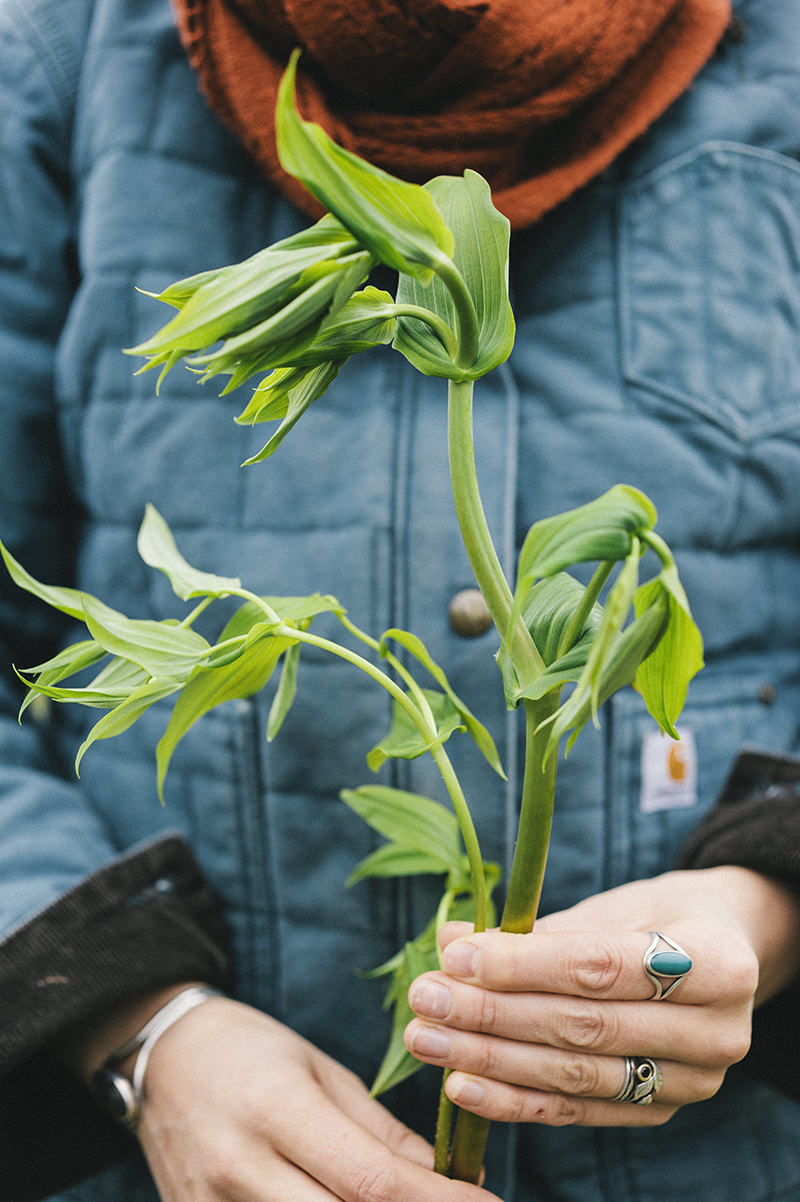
[[710, 291]]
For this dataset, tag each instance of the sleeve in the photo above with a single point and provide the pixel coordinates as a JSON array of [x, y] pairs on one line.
[[83, 923], [756, 824], [146, 919]]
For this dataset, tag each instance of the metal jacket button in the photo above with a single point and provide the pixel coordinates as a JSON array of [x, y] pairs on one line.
[[469, 614]]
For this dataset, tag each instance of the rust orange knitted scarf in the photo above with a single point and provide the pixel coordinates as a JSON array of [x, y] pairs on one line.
[[537, 95]]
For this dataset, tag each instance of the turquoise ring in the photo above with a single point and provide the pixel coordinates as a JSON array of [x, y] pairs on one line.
[[662, 965]]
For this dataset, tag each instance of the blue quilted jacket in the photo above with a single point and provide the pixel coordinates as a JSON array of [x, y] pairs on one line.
[[658, 344]]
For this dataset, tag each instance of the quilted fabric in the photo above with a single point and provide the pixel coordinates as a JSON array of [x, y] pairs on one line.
[[657, 344]]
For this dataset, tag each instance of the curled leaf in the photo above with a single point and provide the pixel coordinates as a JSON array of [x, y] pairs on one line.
[[399, 223]]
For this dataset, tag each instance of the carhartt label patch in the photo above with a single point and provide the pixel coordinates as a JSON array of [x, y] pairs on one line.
[[669, 772]]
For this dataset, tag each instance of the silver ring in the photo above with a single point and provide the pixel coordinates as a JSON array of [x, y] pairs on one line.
[[665, 965], [642, 1082]]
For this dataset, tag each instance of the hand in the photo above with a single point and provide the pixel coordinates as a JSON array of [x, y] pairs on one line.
[[536, 1027], [238, 1108]]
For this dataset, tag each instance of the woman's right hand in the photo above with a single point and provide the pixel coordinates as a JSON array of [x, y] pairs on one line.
[[239, 1108]]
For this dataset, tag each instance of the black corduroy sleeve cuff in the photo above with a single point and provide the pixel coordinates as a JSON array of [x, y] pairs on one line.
[[756, 824], [146, 920]]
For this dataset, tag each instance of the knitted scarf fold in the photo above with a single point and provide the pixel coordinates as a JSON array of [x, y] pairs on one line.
[[538, 96]]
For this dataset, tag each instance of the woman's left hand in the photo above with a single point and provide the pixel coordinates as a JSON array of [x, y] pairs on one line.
[[538, 1028]]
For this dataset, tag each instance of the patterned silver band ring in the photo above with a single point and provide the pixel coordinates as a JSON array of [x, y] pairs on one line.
[[642, 1082]]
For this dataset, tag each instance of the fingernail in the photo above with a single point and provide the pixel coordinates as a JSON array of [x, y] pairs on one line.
[[461, 959], [468, 1093], [426, 1041], [431, 999]]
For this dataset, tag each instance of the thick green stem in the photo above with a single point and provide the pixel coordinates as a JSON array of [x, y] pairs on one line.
[[535, 820], [476, 536], [468, 333], [522, 898]]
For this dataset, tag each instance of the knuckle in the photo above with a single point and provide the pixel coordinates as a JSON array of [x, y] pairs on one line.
[[488, 1060], [585, 1024], [579, 1075], [707, 1085], [486, 1017], [731, 1044], [373, 1183], [223, 1169], [600, 972]]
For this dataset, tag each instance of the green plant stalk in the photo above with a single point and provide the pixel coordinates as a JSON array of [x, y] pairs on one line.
[[525, 883], [475, 531], [448, 775], [468, 334], [426, 729], [522, 898]]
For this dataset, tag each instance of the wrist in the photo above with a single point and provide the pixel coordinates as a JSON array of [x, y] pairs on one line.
[[122, 1094], [87, 1047]]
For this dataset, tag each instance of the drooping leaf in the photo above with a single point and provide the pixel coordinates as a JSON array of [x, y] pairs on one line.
[[631, 647], [476, 730], [398, 1063], [599, 530], [480, 254], [393, 860], [162, 649], [207, 688], [286, 692], [397, 222], [411, 820], [663, 678], [240, 296], [123, 716], [286, 394], [67, 600], [68, 662], [405, 741], [287, 336], [157, 547]]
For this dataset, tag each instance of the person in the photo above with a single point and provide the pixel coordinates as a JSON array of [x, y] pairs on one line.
[[650, 170]]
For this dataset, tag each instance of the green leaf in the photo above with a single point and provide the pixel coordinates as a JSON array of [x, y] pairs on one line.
[[404, 741], [94, 698], [476, 730], [392, 860], [286, 394], [397, 222], [614, 616], [286, 692], [68, 661], [240, 296], [398, 1063], [157, 547], [207, 688], [125, 714], [413, 821], [162, 649], [67, 600], [288, 335], [480, 254], [294, 610], [663, 678], [631, 647], [600, 530], [548, 610]]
